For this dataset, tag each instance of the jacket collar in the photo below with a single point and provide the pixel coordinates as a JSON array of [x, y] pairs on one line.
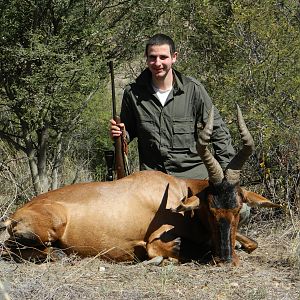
[[144, 80]]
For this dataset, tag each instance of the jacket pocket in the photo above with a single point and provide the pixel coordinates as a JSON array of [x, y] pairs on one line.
[[183, 134], [146, 130]]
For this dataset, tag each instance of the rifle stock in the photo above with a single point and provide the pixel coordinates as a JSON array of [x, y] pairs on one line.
[[118, 141]]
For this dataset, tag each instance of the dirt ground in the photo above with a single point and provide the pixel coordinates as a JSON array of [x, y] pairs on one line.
[[270, 272]]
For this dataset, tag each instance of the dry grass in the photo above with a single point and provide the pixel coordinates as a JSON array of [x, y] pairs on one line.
[[270, 272]]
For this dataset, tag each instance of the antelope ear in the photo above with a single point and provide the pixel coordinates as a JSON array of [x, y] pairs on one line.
[[187, 204], [256, 200]]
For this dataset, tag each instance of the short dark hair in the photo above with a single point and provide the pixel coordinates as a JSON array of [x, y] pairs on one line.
[[160, 39]]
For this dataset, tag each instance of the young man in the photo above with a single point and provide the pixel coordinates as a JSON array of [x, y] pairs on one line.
[[162, 109]]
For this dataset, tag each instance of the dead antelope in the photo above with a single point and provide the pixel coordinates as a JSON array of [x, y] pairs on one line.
[[142, 216]]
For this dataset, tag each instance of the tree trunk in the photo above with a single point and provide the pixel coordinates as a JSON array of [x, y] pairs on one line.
[[33, 169], [42, 159], [56, 162]]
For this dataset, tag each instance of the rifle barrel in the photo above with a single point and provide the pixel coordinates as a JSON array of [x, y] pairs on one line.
[[119, 154], [113, 93]]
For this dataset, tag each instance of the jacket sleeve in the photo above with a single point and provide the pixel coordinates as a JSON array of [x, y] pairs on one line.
[[127, 115], [220, 138]]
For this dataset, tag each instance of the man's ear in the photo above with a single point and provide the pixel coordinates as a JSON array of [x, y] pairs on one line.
[[256, 200], [174, 57]]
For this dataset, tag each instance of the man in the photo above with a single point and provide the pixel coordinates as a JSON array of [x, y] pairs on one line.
[[162, 109]]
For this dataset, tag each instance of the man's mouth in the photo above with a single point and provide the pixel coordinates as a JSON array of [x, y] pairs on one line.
[[158, 70]]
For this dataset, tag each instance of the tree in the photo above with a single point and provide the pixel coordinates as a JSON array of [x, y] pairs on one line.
[[254, 60], [44, 76], [249, 53], [267, 83], [53, 60]]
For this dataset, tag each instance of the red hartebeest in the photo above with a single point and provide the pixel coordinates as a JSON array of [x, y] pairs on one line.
[[142, 216]]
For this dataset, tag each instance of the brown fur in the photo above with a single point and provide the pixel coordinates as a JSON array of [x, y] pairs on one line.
[[129, 219]]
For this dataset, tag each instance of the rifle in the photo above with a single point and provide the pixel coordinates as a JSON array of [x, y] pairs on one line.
[[118, 141]]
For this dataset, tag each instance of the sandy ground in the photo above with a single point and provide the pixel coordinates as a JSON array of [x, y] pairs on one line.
[[270, 272]]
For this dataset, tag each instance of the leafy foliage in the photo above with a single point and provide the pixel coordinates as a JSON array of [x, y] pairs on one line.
[[53, 60], [252, 57], [54, 77]]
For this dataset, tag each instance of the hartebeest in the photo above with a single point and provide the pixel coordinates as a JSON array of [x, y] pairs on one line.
[[142, 216]]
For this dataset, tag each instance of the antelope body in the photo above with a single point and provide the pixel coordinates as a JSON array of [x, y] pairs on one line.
[[145, 215]]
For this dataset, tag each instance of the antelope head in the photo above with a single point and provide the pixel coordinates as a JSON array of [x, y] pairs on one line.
[[225, 197]]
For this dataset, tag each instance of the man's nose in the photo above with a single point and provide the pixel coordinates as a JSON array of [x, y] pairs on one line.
[[157, 61]]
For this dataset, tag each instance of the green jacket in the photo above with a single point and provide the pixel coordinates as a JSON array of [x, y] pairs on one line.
[[167, 134]]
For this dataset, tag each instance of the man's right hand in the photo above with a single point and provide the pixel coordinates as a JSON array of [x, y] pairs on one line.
[[116, 130]]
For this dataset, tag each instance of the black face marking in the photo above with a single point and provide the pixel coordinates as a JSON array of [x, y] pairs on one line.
[[224, 195], [225, 244]]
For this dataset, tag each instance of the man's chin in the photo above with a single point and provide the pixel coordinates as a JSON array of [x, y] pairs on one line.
[[159, 75]]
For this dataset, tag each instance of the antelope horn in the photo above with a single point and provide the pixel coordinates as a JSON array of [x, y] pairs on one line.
[[233, 169], [214, 169]]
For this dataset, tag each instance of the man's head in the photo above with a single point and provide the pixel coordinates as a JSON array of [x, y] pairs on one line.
[[158, 40], [161, 55]]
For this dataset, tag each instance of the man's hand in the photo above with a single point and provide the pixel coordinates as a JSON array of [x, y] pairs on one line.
[[116, 130]]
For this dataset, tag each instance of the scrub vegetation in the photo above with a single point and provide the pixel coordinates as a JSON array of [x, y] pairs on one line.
[[55, 103]]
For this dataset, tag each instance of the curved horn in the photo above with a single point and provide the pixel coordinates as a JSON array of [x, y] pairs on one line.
[[214, 169], [232, 172]]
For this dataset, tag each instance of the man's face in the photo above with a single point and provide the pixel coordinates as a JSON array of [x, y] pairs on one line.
[[160, 60]]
